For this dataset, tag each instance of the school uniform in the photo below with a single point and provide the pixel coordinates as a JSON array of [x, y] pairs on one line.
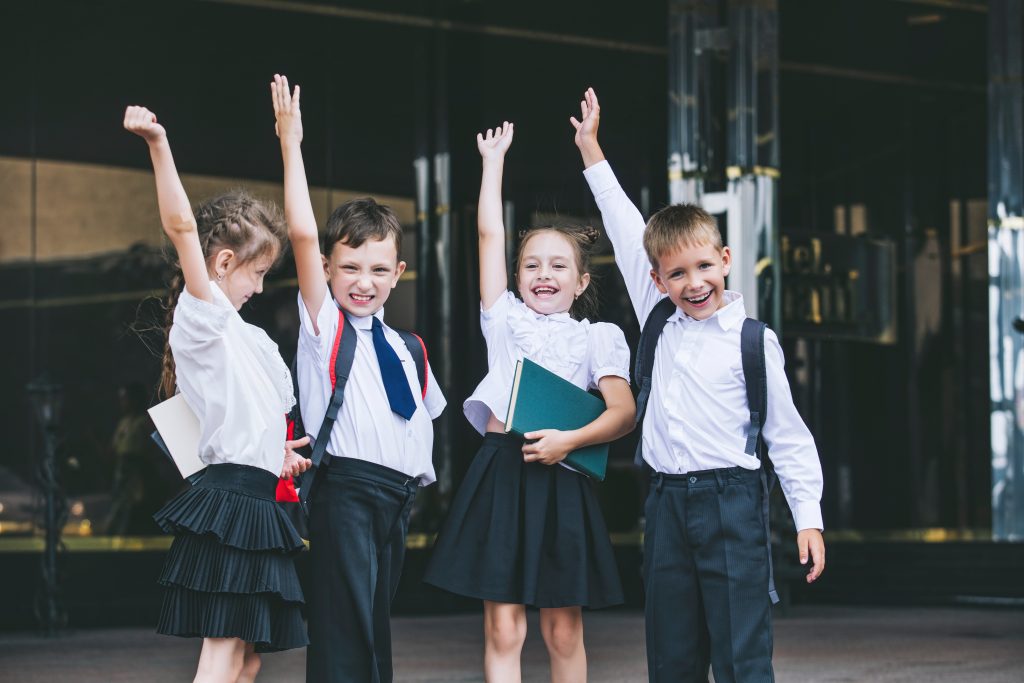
[[524, 532], [229, 572], [706, 563], [359, 505]]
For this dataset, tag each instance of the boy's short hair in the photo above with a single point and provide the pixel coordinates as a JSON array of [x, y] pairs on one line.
[[679, 225], [358, 220]]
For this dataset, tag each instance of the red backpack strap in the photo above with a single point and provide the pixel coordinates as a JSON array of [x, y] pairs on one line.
[[418, 351]]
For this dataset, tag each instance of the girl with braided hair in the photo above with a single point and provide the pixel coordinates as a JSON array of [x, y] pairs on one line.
[[229, 577], [525, 528]]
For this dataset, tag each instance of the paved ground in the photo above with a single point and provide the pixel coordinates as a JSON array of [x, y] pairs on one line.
[[959, 645]]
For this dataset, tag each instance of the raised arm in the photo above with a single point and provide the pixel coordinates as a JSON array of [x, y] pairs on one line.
[[298, 209], [489, 216], [175, 211], [623, 223]]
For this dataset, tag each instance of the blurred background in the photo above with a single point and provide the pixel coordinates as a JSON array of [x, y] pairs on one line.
[[865, 158]]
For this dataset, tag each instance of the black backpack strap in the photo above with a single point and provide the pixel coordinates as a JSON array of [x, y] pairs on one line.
[[343, 352], [418, 350], [755, 376], [644, 368]]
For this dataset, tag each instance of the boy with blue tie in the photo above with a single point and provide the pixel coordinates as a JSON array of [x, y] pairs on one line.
[[707, 567], [378, 452]]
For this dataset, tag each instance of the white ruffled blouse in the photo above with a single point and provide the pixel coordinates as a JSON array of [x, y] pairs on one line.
[[233, 378], [576, 350]]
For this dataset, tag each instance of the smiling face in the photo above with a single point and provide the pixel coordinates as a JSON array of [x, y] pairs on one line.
[[694, 278], [362, 277], [549, 277], [240, 281]]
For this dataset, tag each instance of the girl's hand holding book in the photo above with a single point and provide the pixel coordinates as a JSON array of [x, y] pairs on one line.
[[548, 446]]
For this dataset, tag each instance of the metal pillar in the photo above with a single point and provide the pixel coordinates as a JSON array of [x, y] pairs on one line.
[[753, 155], [752, 142], [1006, 265], [687, 20]]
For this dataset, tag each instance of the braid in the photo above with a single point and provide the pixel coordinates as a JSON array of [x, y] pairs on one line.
[[168, 381]]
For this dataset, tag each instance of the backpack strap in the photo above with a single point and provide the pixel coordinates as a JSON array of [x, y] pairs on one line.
[[343, 352], [755, 376], [418, 350], [644, 368]]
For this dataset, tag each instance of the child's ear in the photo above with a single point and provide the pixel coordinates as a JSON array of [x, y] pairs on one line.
[[584, 283], [223, 262], [657, 282], [398, 273], [726, 260], [327, 270]]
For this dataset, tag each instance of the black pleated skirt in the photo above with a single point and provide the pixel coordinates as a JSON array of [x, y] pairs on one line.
[[525, 533], [230, 571]]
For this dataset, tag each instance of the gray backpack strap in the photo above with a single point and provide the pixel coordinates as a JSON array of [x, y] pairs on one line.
[[644, 368], [343, 353], [755, 376]]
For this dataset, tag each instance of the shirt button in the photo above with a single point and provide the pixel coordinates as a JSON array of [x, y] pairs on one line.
[[693, 480]]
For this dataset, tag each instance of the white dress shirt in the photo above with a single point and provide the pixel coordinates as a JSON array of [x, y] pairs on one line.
[[576, 350], [232, 376], [697, 415], [366, 428]]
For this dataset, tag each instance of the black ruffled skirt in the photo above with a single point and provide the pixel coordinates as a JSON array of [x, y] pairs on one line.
[[230, 571], [525, 533]]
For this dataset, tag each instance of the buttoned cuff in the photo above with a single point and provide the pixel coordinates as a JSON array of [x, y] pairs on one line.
[[600, 177], [807, 516]]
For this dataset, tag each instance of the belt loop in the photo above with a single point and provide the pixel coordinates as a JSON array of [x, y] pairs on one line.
[[659, 479], [719, 480]]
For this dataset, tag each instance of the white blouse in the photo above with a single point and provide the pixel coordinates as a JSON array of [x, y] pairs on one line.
[[233, 378], [576, 350]]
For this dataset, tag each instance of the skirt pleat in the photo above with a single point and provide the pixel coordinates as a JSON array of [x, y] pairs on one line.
[[230, 571], [525, 533]]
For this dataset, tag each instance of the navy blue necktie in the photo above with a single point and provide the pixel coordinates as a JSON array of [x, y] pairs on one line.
[[396, 384]]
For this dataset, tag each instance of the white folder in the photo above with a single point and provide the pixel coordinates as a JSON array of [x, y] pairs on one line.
[[179, 428]]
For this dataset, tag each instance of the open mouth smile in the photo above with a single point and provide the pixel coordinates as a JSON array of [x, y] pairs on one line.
[[699, 300], [544, 292], [361, 298]]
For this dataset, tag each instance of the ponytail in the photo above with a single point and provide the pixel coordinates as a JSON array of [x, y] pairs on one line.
[[168, 381]]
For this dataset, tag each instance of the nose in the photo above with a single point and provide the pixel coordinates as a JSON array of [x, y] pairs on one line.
[[259, 286]]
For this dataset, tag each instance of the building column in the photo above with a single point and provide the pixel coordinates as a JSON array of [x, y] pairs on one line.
[[1006, 265]]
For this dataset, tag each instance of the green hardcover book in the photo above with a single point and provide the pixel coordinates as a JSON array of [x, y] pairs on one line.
[[543, 400]]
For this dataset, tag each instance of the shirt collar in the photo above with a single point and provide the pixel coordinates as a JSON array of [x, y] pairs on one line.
[[365, 322], [727, 317], [219, 297]]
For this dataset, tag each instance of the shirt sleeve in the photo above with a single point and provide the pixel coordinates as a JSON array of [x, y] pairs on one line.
[[625, 228], [790, 444], [319, 345], [199, 320], [609, 353], [434, 401]]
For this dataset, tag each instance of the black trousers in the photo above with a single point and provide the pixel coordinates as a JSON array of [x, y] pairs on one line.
[[358, 520], [706, 570]]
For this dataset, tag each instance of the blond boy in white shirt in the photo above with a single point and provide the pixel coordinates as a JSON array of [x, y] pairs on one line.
[[706, 563]]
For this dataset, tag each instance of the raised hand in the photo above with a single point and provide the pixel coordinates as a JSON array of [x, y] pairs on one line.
[[294, 463], [590, 118], [142, 122], [496, 142], [286, 110]]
